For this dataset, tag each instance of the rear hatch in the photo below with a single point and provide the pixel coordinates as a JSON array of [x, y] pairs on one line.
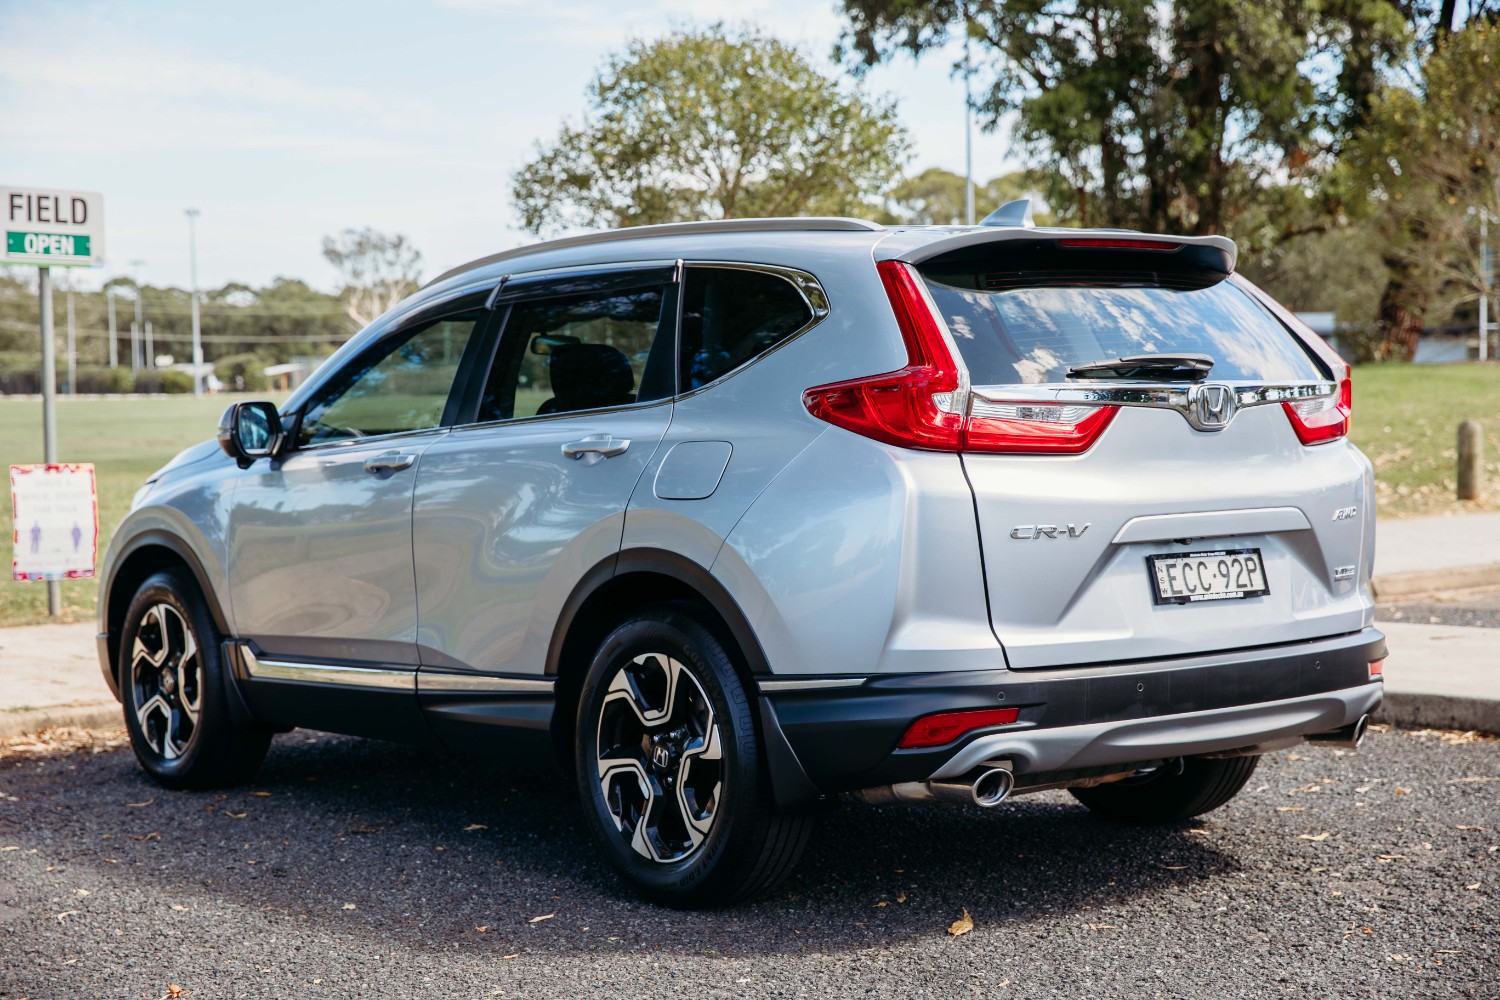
[[1198, 495]]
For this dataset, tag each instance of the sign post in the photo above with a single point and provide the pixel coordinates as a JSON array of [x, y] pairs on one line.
[[47, 228]]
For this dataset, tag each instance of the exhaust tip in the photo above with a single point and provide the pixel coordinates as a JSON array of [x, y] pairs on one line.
[[992, 787], [1357, 732]]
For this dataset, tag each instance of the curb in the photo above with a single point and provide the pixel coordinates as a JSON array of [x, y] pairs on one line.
[[1408, 710], [99, 715], [1393, 585]]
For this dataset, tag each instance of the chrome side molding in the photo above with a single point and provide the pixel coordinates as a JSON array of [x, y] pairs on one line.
[[429, 682], [381, 678], [811, 684]]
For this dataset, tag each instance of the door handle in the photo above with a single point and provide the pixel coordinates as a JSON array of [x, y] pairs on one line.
[[602, 445], [391, 461]]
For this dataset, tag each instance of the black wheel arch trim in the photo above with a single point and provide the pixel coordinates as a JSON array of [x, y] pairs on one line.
[[789, 781]]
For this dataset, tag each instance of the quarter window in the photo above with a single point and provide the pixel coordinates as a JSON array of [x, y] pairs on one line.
[[733, 315], [402, 386]]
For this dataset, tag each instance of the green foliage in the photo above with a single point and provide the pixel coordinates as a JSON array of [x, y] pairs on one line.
[[379, 270], [936, 197], [713, 123], [174, 382], [119, 381], [242, 372], [1175, 116]]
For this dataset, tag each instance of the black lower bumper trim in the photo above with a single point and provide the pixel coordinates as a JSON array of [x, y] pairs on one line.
[[846, 738]]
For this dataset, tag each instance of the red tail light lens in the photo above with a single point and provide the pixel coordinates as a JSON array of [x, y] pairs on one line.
[[1117, 243], [915, 406], [945, 727], [1324, 419]]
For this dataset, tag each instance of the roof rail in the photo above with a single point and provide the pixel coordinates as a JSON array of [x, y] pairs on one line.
[[809, 224], [1012, 213]]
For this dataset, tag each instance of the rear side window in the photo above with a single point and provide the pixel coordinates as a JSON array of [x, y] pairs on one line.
[[733, 315], [578, 352], [1031, 334]]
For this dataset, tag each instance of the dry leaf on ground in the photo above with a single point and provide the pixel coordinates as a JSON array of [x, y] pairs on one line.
[[1319, 837], [962, 925], [544, 916]]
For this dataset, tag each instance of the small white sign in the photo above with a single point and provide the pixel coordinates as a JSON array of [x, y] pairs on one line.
[[56, 228], [55, 519]]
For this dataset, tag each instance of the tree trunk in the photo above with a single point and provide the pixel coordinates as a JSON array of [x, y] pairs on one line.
[[1400, 317]]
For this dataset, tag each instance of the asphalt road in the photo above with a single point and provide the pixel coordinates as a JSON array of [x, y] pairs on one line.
[[353, 868]]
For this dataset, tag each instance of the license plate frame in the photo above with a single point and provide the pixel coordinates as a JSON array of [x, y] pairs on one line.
[[1159, 597]]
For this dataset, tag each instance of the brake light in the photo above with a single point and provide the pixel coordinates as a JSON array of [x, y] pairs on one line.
[[1326, 418], [1377, 668], [918, 406], [1117, 243], [945, 727]]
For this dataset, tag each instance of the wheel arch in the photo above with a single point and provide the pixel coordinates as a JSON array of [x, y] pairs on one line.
[[147, 553]]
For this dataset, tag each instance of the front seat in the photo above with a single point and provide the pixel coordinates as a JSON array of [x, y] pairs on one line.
[[588, 377]]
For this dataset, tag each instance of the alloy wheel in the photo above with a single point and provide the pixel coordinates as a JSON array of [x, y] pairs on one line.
[[166, 681], [660, 757]]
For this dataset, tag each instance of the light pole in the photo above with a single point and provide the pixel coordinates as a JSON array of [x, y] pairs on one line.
[[140, 325], [192, 215], [968, 138]]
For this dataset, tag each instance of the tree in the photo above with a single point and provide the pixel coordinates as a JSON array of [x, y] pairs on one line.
[[712, 124], [1430, 160], [378, 270], [1171, 116], [935, 197]]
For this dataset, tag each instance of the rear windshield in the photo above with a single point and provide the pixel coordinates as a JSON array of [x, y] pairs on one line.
[[1032, 334]]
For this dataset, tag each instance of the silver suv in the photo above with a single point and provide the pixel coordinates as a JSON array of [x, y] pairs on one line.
[[735, 516]]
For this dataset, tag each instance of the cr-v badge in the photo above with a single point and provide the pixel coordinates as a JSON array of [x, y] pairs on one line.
[[1025, 531]]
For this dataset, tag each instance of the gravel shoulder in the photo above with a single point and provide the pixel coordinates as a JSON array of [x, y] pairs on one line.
[[353, 868]]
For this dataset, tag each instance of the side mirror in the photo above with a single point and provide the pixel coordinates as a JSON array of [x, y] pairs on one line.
[[248, 431]]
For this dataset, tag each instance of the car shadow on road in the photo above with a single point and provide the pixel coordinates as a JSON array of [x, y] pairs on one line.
[[441, 851]]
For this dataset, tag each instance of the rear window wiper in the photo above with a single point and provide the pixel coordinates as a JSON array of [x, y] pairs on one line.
[[1161, 367]]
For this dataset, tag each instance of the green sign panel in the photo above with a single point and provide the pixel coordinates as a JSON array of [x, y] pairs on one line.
[[46, 244]]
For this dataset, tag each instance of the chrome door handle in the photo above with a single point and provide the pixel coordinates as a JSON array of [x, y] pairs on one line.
[[602, 445], [391, 461]]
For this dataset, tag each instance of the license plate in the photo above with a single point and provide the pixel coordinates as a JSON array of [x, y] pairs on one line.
[[1220, 575]]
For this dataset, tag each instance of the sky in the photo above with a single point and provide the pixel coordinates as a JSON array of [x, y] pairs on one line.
[[286, 122]]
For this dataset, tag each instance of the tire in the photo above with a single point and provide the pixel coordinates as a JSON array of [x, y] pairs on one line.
[[173, 685], [669, 768], [1163, 796]]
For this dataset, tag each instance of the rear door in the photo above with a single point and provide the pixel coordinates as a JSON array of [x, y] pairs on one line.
[[1148, 510]]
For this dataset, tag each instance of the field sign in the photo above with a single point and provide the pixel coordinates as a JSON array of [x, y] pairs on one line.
[[55, 515], [49, 227]]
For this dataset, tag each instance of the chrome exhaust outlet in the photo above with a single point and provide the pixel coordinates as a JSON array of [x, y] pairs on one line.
[[986, 789], [1350, 736]]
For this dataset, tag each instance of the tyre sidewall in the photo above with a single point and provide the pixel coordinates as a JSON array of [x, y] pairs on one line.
[[695, 880], [172, 588]]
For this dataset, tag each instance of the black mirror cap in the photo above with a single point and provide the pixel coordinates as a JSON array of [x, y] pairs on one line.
[[259, 419]]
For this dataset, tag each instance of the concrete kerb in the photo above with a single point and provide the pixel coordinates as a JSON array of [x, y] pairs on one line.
[[1410, 710], [1395, 586], [103, 715]]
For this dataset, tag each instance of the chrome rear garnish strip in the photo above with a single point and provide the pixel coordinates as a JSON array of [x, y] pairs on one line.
[[1207, 406]]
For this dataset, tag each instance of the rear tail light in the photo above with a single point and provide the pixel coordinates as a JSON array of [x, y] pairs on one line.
[[945, 727], [918, 406], [1377, 668], [1118, 243], [1323, 419]]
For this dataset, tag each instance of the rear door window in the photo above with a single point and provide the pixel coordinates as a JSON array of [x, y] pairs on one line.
[[1031, 334]]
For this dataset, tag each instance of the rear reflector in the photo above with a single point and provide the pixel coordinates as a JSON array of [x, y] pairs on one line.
[[915, 406], [1326, 418], [945, 727], [1377, 668]]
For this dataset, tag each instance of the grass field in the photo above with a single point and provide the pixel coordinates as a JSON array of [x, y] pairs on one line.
[[1405, 419]]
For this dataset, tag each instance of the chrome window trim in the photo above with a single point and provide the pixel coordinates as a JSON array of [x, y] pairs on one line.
[[431, 682], [380, 678]]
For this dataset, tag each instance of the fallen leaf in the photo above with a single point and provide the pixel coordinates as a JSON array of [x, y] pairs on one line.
[[153, 835], [12, 847], [175, 992], [482, 928], [1295, 756], [1103, 927], [544, 916], [962, 925], [901, 898], [1393, 857], [137, 805], [1174, 868], [475, 826], [1460, 781], [1290, 809], [65, 914], [1472, 885], [235, 815], [261, 795], [1399, 958], [880, 904], [82, 892], [509, 957], [1462, 827], [179, 907], [350, 906], [363, 829], [1318, 837], [1400, 791]]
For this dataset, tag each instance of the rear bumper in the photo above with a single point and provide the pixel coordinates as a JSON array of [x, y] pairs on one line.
[[1078, 718]]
